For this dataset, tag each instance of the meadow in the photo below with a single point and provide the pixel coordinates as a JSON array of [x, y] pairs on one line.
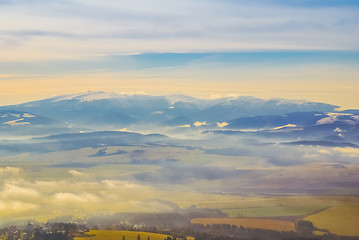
[[115, 235], [341, 220]]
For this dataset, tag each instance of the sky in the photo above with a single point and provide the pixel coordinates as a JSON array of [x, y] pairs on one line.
[[203, 48]]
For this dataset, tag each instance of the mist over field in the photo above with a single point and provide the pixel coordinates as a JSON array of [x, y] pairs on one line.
[[162, 160], [205, 120]]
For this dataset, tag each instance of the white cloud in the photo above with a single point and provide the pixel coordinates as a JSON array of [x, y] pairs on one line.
[[121, 184], [352, 152], [54, 29], [13, 207], [223, 124], [198, 123], [157, 113], [123, 130], [185, 126], [17, 192], [64, 198], [327, 120], [285, 126], [324, 151], [75, 173], [10, 170], [338, 130]]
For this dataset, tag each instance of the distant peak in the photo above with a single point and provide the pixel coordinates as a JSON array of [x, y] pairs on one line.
[[88, 96]]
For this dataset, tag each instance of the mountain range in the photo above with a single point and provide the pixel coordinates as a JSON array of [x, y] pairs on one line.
[[295, 120]]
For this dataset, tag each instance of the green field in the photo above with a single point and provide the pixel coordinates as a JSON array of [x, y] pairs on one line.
[[118, 235]]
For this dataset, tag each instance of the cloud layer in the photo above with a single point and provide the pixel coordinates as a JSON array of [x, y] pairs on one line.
[[76, 28]]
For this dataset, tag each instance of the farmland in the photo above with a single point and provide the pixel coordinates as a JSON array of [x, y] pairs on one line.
[[275, 211], [114, 235], [341, 220], [269, 224]]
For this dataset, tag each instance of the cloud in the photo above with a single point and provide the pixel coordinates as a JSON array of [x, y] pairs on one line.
[[124, 185], [223, 124], [87, 28], [338, 130], [185, 126], [75, 173], [123, 130], [157, 113], [352, 152], [14, 207], [65, 198], [285, 126], [198, 124], [333, 117], [12, 191], [327, 120], [10, 170], [324, 151], [184, 173]]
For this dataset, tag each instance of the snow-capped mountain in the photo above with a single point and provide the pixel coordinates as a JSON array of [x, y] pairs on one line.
[[122, 110]]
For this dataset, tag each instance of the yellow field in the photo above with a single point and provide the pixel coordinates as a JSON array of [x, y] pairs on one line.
[[270, 224], [341, 220], [118, 235]]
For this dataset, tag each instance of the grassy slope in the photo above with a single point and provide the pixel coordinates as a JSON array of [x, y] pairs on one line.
[[341, 220], [117, 235]]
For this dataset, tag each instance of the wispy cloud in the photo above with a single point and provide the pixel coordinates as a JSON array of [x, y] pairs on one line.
[[10, 170], [60, 29]]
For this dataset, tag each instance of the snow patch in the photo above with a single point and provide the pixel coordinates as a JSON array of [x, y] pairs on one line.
[[15, 115], [16, 122], [93, 96], [342, 117], [285, 126], [355, 118], [280, 101], [172, 99], [28, 115]]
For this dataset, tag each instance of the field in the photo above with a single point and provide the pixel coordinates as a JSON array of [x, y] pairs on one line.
[[270, 224], [341, 220], [118, 235], [275, 211]]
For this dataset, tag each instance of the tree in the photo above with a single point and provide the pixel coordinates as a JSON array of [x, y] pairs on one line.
[[305, 227]]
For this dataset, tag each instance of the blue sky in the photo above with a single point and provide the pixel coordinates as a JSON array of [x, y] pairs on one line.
[[81, 29], [48, 43]]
